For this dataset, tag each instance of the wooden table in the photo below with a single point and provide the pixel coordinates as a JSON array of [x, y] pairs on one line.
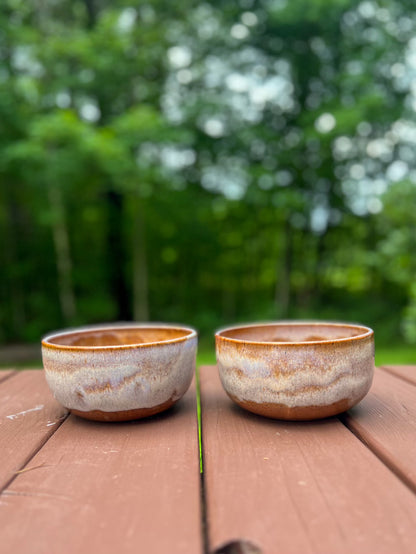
[[340, 485]]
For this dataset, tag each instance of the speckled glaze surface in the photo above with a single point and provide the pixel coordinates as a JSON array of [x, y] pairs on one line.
[[119, 373], [296, 370]]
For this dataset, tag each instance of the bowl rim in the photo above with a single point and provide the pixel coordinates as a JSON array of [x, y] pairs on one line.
[[367, 332], [192, 333]]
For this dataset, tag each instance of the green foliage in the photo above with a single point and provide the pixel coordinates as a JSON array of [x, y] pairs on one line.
[[207, 163], [397, 247], [409, 320]]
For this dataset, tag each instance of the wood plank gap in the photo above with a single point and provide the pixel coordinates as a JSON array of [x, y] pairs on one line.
[[385, 459], [5, 375], [204, 518], [33, 454], [199, 420], [390, 371]]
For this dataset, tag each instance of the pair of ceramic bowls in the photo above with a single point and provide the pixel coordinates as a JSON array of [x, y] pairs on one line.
[[289, 370]]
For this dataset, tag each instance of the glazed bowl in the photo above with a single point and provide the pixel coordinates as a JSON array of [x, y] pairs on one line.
[[119, 373], [296, 370]]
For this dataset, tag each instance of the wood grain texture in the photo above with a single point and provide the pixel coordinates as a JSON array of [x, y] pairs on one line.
[[29, 415], [386, 421], [308, 487], [110, 487], [406, 372]]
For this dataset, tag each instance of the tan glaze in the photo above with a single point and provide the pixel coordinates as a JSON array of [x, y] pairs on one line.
[[119, 373], [301, 413], [296, 371], [119, 336], [124, 415]]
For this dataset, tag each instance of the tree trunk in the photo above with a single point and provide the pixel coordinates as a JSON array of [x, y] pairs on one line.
[[316, 277], [91, 13], [12, 265], [116, 255], [229, 300], [140, 268], [284, 270], [62, 253]]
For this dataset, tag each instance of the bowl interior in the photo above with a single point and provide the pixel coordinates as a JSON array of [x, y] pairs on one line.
[[118, 336], [295, 332]]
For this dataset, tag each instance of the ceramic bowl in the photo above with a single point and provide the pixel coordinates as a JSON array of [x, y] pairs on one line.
[[122, 372], [296, 370]]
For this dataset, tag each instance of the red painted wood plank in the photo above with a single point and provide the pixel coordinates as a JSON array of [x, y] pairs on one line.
[[29, 415], [386, 421], [307, 487], [118, 487], [406, 372]]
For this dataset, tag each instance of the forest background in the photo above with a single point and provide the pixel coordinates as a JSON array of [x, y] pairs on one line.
[[208, 163]]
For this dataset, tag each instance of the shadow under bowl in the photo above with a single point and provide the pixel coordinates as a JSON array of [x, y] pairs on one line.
[[119, 373], [296, 370]]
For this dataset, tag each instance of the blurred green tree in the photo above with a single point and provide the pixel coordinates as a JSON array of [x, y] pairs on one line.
[[206, 162]]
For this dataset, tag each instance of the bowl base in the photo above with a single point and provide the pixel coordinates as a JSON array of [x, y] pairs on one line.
[[124, 415], [297, 413]]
